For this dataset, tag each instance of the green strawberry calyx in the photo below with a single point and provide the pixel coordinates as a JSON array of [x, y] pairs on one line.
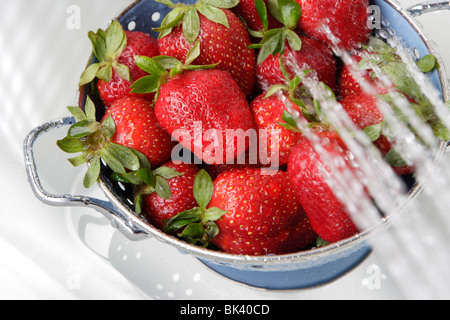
[[197, 225], [288, 12], [93, 140], [187, 16], [163, 68], [108, 46]]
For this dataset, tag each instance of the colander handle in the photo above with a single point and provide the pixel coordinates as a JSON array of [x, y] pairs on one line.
[[426, 7], [104, 207]]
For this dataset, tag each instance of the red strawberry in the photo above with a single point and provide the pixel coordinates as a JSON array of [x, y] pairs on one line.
[[264, 216], [138, 128], [267, 114], [363, 110], [223, 39], [312, 55], [158, 209], [115, 49], [347, 83], [325, 211], [246, 9], [206, 111], [346, 19]]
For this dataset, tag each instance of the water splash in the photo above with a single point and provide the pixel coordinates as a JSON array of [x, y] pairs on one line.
[[415, 246]]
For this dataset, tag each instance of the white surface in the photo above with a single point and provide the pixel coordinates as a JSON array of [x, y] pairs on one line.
[[55, 253]]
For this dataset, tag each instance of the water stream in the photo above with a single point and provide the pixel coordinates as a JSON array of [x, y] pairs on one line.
[[414, 248]]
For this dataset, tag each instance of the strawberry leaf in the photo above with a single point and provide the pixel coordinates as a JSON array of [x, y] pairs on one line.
[[111, 161], [124, 155], [373, 132], [274, 40], [427, 63], [394, 159], [122, 70], [77, 113], [214, 214], [290, 12], [167, 173], [147, 176], [378, 46], [108, 46], [78, 161], [150, 65], [147, 84], [171, 20], [98, 44], [193, 231], [402, 80], [198, 224], [71, 145], [290, 122], [224, 4], [191, 25], [92, 173], [108, 127], [203, 189], [116, 41], [213, 14], [167, 3], [162, 188], [89, 74], [270, 45], [321, 243], [294, 40], [90, 111], [183, 219], [82, 129]]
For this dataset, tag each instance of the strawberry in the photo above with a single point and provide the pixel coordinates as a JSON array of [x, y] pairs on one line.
[[247, 10], [347, 20], [348, 84], [94, 140], [211, 99], [138, 128], [267, 113], [325, 211], [223, 38], [264, 216], [115, 50], [204, 109], [157, 209], [313, 55]]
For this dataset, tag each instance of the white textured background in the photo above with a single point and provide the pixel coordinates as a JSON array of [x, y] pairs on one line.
[[51, 253]]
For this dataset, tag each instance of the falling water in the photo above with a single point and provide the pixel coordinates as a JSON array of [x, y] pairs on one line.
[[415, 246]]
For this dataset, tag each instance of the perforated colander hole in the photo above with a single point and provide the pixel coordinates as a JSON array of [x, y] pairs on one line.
[[156, 16], [131, 25]]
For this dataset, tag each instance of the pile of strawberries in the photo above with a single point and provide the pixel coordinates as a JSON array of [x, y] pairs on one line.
[[220, 67]]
